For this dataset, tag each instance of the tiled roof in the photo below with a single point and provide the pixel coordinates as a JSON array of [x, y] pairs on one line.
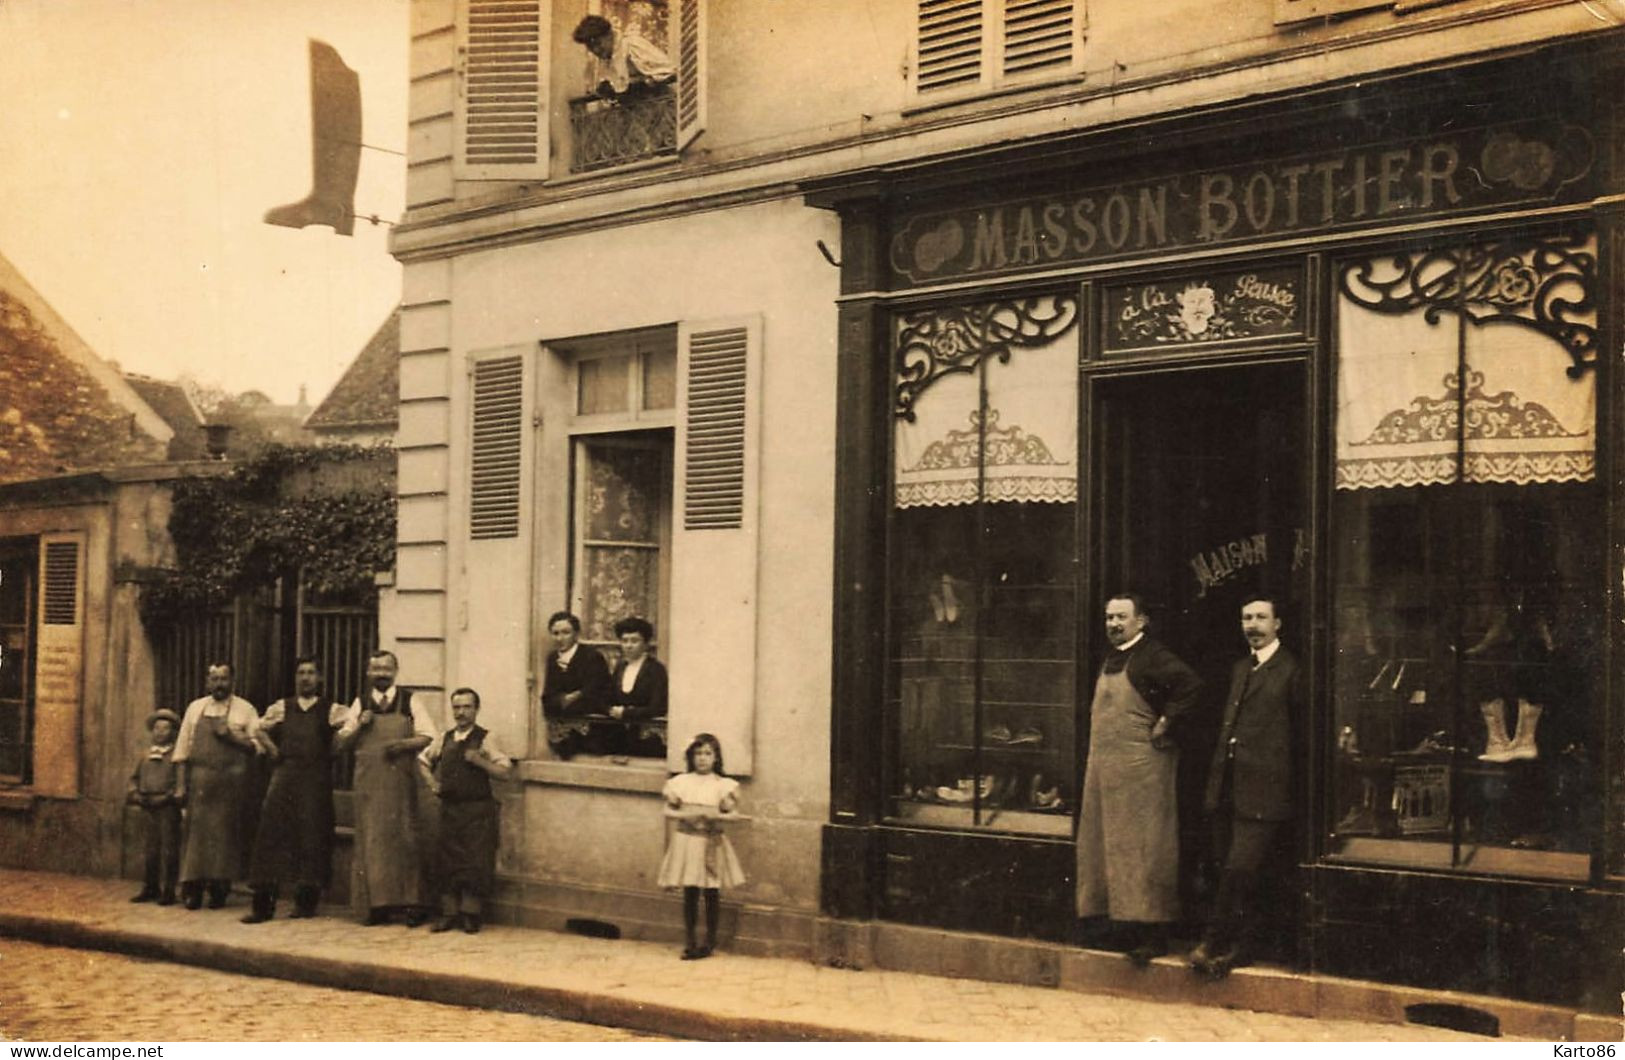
[[54, 414], [366, 395], [170, 401]]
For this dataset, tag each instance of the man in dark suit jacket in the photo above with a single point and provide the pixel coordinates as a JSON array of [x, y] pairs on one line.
[[1250, 790], [575, 684]]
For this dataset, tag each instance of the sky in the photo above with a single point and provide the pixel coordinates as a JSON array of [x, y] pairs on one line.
[[142, 141]]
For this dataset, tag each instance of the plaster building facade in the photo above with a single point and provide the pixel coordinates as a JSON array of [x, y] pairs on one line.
[[866, 349]]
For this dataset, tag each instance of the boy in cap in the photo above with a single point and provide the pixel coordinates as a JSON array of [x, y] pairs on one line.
[[152, 787]]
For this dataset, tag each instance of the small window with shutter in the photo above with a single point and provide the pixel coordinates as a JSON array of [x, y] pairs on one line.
[[968, 46], [496, 449], [19, 567], [502, 90]]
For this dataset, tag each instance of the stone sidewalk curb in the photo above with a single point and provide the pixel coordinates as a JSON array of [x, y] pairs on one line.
[[430, 985]]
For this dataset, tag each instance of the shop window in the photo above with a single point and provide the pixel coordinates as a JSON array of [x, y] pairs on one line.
[[966, 45], [982, 594], [643, 90], [1468, 566]]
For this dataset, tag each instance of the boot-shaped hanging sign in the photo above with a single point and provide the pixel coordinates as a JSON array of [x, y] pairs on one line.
[[335, 128]]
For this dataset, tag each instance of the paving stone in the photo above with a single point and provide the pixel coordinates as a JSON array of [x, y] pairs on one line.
[[639, 985]]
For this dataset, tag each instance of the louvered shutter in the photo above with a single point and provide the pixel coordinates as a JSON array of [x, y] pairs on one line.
[[711, 646], [689, 33], [502, 90], [1039, 35], [949, 45], [496, 446], [59, 665]]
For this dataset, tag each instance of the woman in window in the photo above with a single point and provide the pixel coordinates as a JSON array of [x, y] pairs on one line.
[[638, 692]]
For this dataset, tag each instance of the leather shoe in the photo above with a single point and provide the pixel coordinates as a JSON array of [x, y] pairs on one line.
[[416, 917], [1142, 955], [146, 896], [194, 902], [374, 917], [167, 898], [445, 923], [471, 924], [256, 918]]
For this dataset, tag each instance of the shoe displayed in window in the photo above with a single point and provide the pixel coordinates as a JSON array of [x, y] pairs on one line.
[[1029, 736]]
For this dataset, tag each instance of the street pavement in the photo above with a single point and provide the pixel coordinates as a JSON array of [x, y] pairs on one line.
[[52, 994], [640, 986]]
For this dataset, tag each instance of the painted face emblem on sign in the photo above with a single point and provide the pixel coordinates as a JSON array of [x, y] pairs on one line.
[[938, 246]]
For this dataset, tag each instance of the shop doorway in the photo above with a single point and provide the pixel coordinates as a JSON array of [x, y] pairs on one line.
[[1201, 505]]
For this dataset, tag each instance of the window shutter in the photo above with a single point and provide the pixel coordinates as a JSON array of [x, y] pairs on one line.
[[59, 665], [1038, 35], [496, 448], [711, 645], [690, 37], [949, 51], [502, 90], [714, 459]]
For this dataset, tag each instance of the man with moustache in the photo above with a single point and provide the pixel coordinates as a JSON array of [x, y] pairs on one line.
[[213, 749], [1249, 790], [295, 839], [386, 733], [1128, 823]]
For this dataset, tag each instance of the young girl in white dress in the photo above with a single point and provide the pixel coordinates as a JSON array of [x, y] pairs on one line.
[[699, 857]]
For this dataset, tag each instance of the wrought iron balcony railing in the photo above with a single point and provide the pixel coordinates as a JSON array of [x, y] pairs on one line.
[[639, 125]]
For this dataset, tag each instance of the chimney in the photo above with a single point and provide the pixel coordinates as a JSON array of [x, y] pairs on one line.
[[217, 436]]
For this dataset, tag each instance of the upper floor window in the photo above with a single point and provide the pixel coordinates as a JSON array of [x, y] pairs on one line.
[[971, 45], [642, 93]]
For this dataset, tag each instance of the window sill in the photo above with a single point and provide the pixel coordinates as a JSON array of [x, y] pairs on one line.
[[977, 94], [644, 776], [17, 801]]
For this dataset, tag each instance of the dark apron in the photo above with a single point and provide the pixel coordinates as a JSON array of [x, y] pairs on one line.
[[387, 865], [295, 839], [217, 771]]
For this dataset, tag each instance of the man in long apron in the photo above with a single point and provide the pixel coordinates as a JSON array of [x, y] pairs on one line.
[[214, 747], [1128, 824], [386, 734], [295, 839]]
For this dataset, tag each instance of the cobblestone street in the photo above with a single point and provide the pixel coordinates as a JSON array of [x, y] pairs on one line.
[[87, 994], [49, 993]]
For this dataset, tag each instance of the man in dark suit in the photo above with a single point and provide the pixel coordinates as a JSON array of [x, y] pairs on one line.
[[1250, 791], [575, 684]]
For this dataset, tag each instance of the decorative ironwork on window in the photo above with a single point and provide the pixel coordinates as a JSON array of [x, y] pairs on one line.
[[637, 126], [1539, 283], [935, 342]]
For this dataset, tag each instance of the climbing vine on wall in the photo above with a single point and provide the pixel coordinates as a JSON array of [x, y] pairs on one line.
[[325, 512]]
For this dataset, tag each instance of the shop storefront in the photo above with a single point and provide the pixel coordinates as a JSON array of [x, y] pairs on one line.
[[1347, 350]]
